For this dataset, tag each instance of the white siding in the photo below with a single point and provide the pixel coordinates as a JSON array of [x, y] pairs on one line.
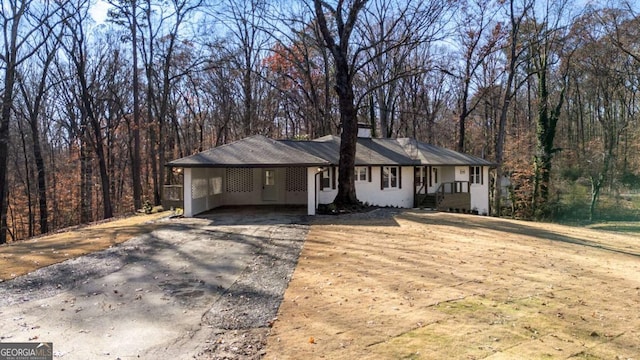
[[480, 193], [370, 191], [203, 190], [462, 173]]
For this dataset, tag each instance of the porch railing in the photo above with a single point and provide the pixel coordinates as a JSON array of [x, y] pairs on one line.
[[173, 193], [173, 197], [448, 195], [453, 196]]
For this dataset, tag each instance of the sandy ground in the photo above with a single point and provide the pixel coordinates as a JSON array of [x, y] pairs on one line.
[[22, 257], [426, 285]]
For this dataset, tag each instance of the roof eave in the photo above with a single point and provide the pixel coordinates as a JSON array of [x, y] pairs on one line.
[[174, 165]]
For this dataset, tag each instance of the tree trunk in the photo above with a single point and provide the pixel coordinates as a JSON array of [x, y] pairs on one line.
[[86, 185], [462, 119], [513, 55], [27, 179], [7, 102], [136, 162], [346, 196], [41, 176]]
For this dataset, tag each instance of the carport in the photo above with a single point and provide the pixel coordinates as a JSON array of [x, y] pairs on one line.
[[252, 171]]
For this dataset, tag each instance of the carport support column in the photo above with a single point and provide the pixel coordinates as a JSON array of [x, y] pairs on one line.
[[187, 196], [312, 190]]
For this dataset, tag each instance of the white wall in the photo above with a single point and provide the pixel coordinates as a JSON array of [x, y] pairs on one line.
[[197, 199], [203, 189], [447, 174], [370, 192], [480, 193], [462, 173]]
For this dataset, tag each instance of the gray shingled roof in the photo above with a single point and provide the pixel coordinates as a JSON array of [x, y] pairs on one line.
[[260, 151], [368, 151], [254, 151], [429, 154]]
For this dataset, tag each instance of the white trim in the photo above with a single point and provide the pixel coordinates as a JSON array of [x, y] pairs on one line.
[[312, 190], [186, 188]]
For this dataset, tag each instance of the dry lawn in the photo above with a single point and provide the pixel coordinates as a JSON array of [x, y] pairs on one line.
[[426, 285], [22, 257]]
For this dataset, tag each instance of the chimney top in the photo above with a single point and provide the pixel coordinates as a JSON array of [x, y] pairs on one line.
[[364, 130]]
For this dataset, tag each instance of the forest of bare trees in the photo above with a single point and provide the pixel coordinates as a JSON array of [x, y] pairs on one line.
[[92, 110]]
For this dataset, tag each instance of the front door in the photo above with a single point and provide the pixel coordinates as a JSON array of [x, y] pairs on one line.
[[269, 191]]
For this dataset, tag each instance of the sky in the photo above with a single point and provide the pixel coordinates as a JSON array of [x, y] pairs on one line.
[[98, 11]]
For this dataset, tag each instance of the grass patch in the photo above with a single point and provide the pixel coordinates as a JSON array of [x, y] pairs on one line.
[[574, 203], [625, 227]]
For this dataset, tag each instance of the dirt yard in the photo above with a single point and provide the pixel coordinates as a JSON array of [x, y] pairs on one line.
[[426, 285], [22, 257]]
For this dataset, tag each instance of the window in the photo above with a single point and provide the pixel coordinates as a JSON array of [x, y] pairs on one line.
[[269, 178], [215, 186], [390, 177], [475, 176], [361, 173], [327, 180], [435, 175], [419, 175]]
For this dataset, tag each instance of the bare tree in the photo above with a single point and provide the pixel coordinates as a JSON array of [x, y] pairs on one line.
[[20, 21], [126, 13], [34, 94], [244, 20], [345, 16], [394, 34], [514, 51], [478, 34], [160, 37], [76, 49], [548, 52]]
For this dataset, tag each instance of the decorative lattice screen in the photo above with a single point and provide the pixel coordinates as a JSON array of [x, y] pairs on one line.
[[239, 180], [296, 179], [199, 188]]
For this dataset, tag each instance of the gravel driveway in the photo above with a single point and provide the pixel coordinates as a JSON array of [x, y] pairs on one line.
[[206, 287]]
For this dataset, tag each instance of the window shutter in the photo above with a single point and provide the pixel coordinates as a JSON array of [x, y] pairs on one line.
[[370, 173], [430, 176], [481, 175], [333, 177], [399, 177], [381, 177]]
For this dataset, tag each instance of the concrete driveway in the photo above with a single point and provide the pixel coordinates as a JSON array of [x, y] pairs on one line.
[[164, 295]]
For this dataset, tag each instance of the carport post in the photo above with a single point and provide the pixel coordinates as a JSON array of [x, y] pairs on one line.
[[312, 194], [186, 188]]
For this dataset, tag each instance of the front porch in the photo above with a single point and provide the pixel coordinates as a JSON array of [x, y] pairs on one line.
[[449, 196]]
